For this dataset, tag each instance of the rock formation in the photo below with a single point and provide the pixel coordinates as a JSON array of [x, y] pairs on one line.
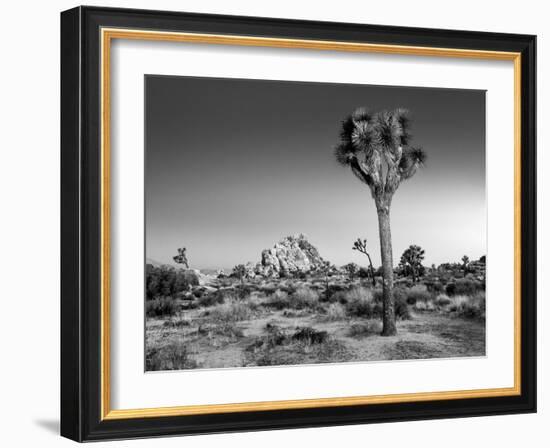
[[291, 255]]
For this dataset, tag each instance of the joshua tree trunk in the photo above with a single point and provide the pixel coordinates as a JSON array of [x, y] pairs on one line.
[[388, 313]]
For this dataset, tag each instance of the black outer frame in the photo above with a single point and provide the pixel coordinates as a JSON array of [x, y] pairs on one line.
[[80, 224]]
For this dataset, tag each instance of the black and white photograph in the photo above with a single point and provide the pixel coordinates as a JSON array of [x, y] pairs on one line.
[[300, 223]]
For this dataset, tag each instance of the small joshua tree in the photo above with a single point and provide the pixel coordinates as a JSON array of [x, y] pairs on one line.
[[325, 269], [411, 261], [376, 149], [181, 257], [361, 246], [351, 269], [239, 271], [465, 263]]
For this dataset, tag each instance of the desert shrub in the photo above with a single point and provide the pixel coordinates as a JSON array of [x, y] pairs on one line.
[[213, 298], [334, 293], [225, 329], [468, 287], [417, 294], [464, 286], [442, 300], [164, 281], [457, 302], [244, 291], [176, 323], [470, 306], [427, 305], [162, 306], [399, 299], [275, 336], [361, 303], [310, 336], [268, 289], [364, 329], [289, 289], [335, 311], [304, 297], [232, 311], [434, 286], [450, 289], [171, 357], [279, 300], [401, 307]]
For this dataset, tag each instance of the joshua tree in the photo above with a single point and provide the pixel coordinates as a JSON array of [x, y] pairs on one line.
[[376, 149], [239, 271], [352, 270], [181, 257], [411, 260], [361, 246], [465, 263]]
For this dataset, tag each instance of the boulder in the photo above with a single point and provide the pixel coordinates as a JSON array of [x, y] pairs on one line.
[[291, 255]]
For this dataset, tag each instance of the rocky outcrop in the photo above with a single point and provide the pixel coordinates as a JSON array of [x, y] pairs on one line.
[[291, 255]]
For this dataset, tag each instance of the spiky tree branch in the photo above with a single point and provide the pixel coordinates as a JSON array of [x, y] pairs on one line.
[[361, 246]]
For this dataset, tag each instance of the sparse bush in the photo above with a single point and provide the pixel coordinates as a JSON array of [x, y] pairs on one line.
[[399, 299], [417, 294], [225, 329], [162, 306], [364, 329], [275, 336], [464, 286], [171, 357], [310, 336], [469, 306], [450, 288], [427, 305], [232, 311], [279, 300], [400, 307], [335, 311], [360, 303], [268, 289], [304, 297], [334, 293], [442, 300], [164, 281], [213, 298], [176, 323], [434, 286]]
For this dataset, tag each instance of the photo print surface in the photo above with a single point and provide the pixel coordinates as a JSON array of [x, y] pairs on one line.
[[297, 223]]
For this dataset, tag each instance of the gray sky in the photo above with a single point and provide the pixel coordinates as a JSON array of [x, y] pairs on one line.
[[233, 166]]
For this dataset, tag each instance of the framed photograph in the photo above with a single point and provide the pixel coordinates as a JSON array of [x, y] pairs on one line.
[[277, 224]]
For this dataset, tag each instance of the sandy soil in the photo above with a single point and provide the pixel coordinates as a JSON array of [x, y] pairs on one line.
[[231, 344]]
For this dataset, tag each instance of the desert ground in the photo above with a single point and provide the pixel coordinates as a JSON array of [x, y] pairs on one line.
[[228, 322]]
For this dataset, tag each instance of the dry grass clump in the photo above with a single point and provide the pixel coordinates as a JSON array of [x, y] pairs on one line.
[[227, 330], [176, 323], [162, 306], [302, 298], [469, 306], [305, 297], [418, 293], [365, 329], [283, 347], [335, 311], [232, 311], [174, 356]]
